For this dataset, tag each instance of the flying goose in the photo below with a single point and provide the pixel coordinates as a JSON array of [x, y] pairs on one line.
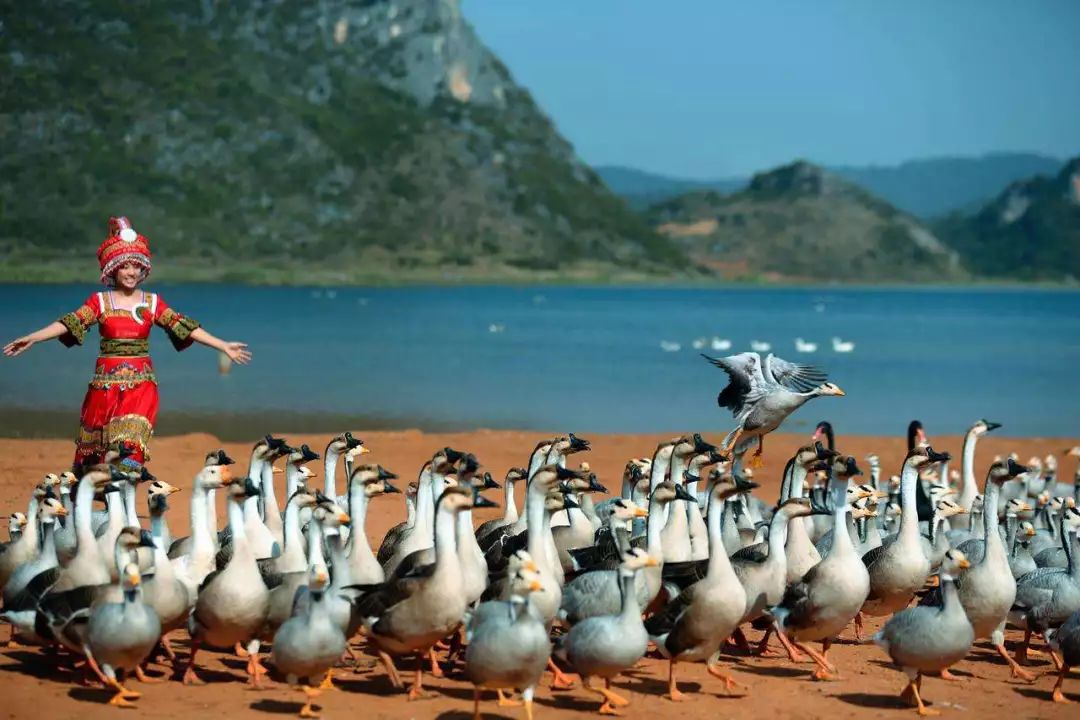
[[762, 393]]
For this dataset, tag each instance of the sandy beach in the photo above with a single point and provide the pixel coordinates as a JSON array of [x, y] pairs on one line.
[[868, 688]]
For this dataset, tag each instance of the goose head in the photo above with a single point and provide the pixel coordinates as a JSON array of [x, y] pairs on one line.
[[548, 477], [561, 500], [67, 480], [51, 480], [1027, 530], [374, 478], [584, 481], [445, 460], [864, 492], [51, 508], [1016, 506], [523, 582], [467, 469], [485, 482], [981, 427], [916, 436], [954, 563], [217, 457], [213, 477], [328, 514], [240, 489], [456, 498], [318, 578], [636, 559], [304, 497], [132, 538], [157, 494], [946, 508], [923, 456], [522, 560], [863, 508], [623, 509], [728, 486], [937, 492], [16, 522], [1004, 470], [844, 468], [691, 444], [828, 388], [515, 475], [801, 507], [343, 443], [303, 454]]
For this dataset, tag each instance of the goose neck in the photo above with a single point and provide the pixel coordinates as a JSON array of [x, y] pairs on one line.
[[330, 462], [510, 512], [630, 611], [969, 488], [909, 517], [718, 557], [358, 509], [130, 512], [445, 539], [200, 511]]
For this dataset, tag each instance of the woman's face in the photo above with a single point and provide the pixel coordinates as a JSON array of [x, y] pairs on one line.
[[128, 276]]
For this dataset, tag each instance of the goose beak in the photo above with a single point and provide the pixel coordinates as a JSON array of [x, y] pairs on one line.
[[1030, 531], [60, 511], [388, 488], [596, 486], [963, 564], [483, 502], [640, 512], [531, 565], [226, 473], [23, 521], [650, 561], [343, 518], [490, 483], [536, 586], [991, 425]]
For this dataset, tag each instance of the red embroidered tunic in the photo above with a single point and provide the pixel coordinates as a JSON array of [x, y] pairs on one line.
[[121, 403]]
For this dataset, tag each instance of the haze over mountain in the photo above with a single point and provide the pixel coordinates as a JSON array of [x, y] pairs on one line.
[[926, 188]]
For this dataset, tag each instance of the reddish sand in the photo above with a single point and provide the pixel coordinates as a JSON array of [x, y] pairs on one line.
[[778, 689]]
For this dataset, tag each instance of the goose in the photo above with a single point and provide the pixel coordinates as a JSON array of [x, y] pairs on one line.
[[294, 556], [510, 512], [861, 499], [822, 603], [261, 473], [366, 482], [509, 645], [927, 640], [474, 569], [612, 539], [676, 533], [157, 497], [50, 510], [193, 556], [64, 534], [765, 579], [25, 548], [599, 592], [16, 523], [1020, 560], [116, 522], [578, 530], [120, 635], [409, 614], [899, 567], [1046, 597], [842, 346], [1066, 640], [1046, 536], [308, 644], [432, 483], [762, 393], [988, 589], [800, 551], [606, 645], [935, 541], [61, 616], [296, 473], [804, 346], [233, 602], [164, 589], [326, 518], [970, 487], [338, 446], [393, 535], [692, 627], [1058, 557]]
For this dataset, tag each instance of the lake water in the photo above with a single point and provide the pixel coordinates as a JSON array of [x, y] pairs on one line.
[[583, 359]]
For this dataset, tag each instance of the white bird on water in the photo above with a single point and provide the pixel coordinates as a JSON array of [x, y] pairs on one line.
[[719, 343], [804, 347], [760, 346], [842, 346], [670, 346], [699, 343]]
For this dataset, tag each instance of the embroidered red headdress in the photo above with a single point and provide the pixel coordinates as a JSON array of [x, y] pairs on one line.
[[123, 245]]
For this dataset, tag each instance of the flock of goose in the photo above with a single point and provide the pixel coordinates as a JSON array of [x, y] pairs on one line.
[[681, 564]]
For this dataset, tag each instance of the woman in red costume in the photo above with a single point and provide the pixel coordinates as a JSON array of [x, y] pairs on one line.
[[121, 404]]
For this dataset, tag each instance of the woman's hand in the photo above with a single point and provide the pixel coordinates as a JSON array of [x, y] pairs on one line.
[[237, 352], [20, 345]]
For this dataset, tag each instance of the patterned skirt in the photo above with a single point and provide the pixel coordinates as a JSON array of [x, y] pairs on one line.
[[119, 410]]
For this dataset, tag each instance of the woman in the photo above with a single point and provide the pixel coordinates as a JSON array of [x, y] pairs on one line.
[[121, 404]]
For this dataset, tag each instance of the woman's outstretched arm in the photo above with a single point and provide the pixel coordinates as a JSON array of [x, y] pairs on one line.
[[237, 351], [20, 345]]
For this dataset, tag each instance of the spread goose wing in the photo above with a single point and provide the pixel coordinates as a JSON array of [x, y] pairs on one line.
[[745, 381], [793, 376]]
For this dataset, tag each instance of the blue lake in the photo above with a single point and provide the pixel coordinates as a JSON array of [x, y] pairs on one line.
[[586, 359]]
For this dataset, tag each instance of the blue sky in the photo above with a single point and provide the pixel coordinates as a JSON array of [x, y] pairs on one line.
[[712, 88]]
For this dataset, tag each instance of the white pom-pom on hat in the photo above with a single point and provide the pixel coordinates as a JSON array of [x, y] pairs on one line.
[[128, 235]]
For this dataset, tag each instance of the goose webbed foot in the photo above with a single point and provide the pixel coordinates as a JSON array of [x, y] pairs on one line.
[[559, 680], [1059, 697], [436, 669], [946, 675], [505, 701], [416, 690], [142, 677], [255, 670], [310, 694], [1017, 671], [391, 671], [673, 692], [912, 696], [328, 681], [791, 648], [730, 683]]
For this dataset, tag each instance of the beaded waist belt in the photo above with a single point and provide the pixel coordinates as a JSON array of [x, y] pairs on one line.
[[124, 347]]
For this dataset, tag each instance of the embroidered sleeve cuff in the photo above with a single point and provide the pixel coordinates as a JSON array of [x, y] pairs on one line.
[[180, 331], [76, 331]]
